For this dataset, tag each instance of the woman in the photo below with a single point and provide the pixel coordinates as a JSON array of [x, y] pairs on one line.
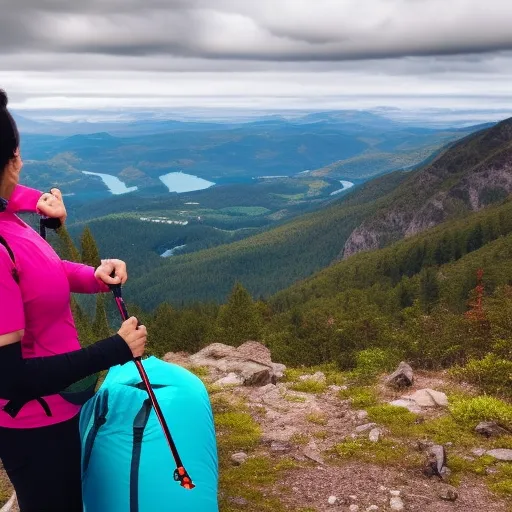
[[40, 354]]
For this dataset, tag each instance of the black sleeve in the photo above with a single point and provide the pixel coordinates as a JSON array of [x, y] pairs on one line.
[[26, 379]]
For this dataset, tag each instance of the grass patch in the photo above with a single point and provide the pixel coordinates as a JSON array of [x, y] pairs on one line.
[[481, 408], [294, 398], [385, 452], [199, 371], [237, 431], [251, 482], [397, 419], [318, 419], [360, 396], [501, 482], [309, 386], [299, 439]]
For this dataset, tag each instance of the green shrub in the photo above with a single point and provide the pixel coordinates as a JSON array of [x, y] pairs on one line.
[[481, 408], [361, 396], [396, 418], [372, 362], [309, 386], [491, 374]]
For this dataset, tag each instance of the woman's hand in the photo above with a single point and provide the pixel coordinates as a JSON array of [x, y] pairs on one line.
[[107, 267], [135, 337], [52, 205]]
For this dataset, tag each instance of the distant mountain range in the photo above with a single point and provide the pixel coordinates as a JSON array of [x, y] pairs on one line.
[[344, 145]]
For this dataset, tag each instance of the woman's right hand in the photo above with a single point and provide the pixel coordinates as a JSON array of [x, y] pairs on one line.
[[135, 337]]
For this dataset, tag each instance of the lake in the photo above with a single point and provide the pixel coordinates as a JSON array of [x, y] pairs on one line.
[[181, 182], [345, 185], [114, 184], [171, 252]]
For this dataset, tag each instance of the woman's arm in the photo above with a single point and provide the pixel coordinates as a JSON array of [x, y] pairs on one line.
[[24, 199], [81, 278], [25, 379]]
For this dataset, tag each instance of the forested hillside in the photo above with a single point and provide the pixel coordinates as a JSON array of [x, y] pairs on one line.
[[470, 175]]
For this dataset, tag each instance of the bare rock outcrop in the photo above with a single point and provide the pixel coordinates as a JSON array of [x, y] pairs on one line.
[[249, 364]]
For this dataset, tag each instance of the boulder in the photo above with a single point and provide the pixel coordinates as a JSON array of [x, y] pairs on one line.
[[448, 493], [491, 429], [501, 454], [428, 398], [402, 377], [411, 405], [251, 362], [436, 461]]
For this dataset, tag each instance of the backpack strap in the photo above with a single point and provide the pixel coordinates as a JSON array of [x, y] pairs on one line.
[[15, 275], [139, 424], [100, 418]]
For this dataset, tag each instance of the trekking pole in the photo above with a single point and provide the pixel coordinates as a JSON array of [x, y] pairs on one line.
[[180, 472]]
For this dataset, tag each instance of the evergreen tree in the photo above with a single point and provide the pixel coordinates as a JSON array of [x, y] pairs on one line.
[[83, 324], [429, 288], [100, 327], [65, 247], [240, 319], [89, 249], [162, 332]]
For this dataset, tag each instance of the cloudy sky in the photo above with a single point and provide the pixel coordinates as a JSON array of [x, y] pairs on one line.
[[258, 54]]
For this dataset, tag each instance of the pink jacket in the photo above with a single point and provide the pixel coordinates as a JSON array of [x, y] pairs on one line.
[[40, 303]]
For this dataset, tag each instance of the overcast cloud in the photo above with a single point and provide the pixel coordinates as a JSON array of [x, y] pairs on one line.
[[256, 53]]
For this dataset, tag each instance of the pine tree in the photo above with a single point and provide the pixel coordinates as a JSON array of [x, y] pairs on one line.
[[66, 248], [429, 288], [89, 249], [82, 324], [240, 319], [100, 327]]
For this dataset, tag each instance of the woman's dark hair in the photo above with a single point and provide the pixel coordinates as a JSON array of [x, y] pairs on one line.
[[9, 136]]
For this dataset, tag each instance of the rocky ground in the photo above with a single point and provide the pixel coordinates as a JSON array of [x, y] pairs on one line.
[[305, 440], [344, 459]]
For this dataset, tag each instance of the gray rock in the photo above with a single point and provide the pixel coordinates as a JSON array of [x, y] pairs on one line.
[[251, 361], [280, 447], [411, 405], [402, 377], [491, 429], [239, 458], [501, 454], [396, 503], [436, 461], [238, 500], [372, 508], [362, 415], [374, 435], [317, 377], [478, 452], [353, 508], [232, 379], [428, 398], [448, 493], [332, 500], [364, 428], [311, 452]]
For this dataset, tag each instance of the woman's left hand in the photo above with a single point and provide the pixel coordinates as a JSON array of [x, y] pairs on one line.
[[52, 205], [107, 267]]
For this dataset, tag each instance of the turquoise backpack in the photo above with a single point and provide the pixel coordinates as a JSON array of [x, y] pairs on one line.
[[127, 465]]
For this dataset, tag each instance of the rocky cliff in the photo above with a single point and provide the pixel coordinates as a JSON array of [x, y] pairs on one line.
[[471, 175]]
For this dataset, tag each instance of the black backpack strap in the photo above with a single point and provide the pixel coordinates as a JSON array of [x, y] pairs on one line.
[[100, 418], [15, 275], [139, 424]]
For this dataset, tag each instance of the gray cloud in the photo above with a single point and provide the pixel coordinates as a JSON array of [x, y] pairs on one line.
[[255, 53], [280, 30]]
